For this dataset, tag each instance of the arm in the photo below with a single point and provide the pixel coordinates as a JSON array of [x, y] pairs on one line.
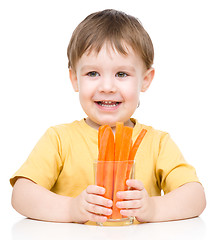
[[187, 201], [36, 202], [184, 202]]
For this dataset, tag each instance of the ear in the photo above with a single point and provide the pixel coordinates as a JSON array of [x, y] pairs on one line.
[[148, 77], [73, 79]]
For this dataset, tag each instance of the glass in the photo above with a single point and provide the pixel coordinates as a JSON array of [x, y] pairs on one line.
[[112, 175]]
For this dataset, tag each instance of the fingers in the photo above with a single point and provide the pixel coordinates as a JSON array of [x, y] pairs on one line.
[[93, 196], [92, 208], [95, 206], [130, 212], [138, 193], [130, 207], [98, 200], [129, 204], [130, 194], [135, 184], [133, 202], [95, 189], [96, 218]]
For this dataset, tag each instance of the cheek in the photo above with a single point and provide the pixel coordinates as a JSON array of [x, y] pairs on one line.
[[131, 93], [86, 89]]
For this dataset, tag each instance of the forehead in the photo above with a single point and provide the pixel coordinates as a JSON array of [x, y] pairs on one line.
[[109, 53], [120, 47]]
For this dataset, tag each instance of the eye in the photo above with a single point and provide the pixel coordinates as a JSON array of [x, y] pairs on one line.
[[121, 74], [93, 74]]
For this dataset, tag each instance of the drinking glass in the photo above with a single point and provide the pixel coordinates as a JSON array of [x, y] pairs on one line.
[[112, 175]]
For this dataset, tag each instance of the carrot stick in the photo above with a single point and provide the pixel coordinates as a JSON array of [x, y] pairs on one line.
[[129, 166], [126, 143], [134, 150], [120, 178], [100, 134], [109, 165], [102, 144], [108, 170], [118, 139], [109, 175], [137, 144]]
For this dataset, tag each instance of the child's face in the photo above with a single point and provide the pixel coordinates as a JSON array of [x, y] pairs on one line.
[[109, 85]]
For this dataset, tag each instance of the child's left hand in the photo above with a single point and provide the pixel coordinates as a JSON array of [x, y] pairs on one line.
[[136, 201]]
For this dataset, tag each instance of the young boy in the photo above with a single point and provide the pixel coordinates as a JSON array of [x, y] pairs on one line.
[[110, 63]]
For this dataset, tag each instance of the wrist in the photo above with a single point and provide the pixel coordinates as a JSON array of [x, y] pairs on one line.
[[151, 213], [75, 213], [147, 213], [153, 209], [160, 209]]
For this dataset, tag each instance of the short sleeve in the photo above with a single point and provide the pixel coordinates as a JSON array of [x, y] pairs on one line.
[[44, 163], [172, 171]]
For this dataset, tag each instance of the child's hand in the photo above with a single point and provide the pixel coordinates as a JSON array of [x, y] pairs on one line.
[[137, 202], [91, 205]]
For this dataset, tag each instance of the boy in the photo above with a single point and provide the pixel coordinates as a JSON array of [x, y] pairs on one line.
[[110, 63]]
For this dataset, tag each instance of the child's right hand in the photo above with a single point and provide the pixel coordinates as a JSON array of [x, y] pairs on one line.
[[90, 205]]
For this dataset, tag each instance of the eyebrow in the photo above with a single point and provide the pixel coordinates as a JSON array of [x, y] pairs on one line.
[[83, 68], [126, 67], [118, 68]]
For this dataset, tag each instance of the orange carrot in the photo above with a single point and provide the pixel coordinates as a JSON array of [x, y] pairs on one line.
[[109, 175], [129, 166], [103, 136], [137, 144], [103, 144], [134, 151], [100, 134], [120, 178], [109, 165], [118, 139]]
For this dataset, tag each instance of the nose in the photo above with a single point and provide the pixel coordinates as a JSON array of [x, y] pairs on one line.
[[107, 85]]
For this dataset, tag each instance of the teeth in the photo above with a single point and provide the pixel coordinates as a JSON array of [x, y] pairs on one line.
[[108, 104]]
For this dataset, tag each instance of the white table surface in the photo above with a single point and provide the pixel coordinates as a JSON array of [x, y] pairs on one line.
[[20, 228], [16, 227], [27, 229]]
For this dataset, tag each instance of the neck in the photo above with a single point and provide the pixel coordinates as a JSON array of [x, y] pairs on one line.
[[96, 126]]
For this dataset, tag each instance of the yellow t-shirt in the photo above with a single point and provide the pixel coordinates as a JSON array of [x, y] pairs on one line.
[[62, 160]]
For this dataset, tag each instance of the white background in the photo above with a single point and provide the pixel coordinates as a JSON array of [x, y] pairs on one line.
[[35, 91]]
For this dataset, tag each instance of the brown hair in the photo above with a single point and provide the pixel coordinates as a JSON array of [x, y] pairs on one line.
[[114, 27]]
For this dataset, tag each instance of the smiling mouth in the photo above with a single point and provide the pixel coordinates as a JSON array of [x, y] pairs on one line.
[[107, 103]]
